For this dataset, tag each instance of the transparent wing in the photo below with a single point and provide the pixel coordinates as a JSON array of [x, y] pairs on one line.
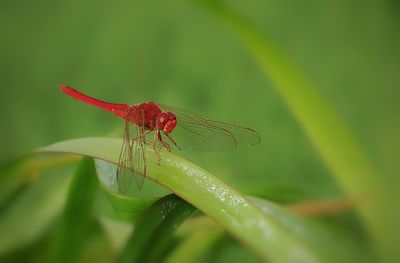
[[195, 132], [125, 163], [132, 159], [140, 160]]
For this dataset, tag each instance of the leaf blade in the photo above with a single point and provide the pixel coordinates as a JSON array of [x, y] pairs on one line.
[[226, 206], [153, 232], [332, 138], [75, 218]]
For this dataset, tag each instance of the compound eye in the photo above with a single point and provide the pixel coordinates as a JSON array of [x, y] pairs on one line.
[[162, 119], [170, 124]]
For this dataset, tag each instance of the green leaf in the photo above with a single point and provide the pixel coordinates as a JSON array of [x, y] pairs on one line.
[[199, 236], [262, 233], [74, 222], [17, 174], [154, 231], [32, 211], [13, 180], [334, 141], [127, 208], [313, 235]]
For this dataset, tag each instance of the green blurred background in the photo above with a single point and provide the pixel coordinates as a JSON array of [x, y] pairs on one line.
[[177, 53]]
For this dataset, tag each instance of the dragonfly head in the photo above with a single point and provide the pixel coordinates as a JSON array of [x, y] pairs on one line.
[[166, 121]]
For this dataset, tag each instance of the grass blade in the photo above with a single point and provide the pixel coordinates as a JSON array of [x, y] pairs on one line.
[[334, 141], [199, 236], [154, 231], [265, 235], [126, 207], [75, 218], [31, 212]]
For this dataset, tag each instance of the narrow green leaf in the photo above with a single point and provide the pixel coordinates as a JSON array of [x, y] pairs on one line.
[[75, 219], [334, 141], [199, 236], [126, 207], [117, 232], [265, 235], [153, 232], [17, 174], [32, 211], [314, 235], [13, 180]]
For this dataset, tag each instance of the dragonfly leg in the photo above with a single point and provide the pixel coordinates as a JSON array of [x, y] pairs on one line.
[[166, 145], [143, 135], [155, 147], [172, 140]]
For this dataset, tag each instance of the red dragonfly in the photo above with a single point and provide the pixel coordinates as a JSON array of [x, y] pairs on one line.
[[167, 127]]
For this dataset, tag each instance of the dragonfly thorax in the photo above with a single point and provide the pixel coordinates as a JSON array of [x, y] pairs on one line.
[[150, 115]]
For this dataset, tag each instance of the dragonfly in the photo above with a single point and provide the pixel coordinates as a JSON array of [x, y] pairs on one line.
[[162, 126]]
